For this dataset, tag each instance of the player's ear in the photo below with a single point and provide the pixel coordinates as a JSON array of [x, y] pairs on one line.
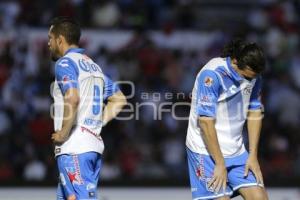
[[234, 61], [60, 39]]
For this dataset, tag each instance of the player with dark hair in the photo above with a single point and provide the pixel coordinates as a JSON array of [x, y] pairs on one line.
[[226, 94], [79, 92]]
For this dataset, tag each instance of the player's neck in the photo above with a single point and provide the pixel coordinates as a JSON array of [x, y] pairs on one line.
[[67, 47], [245, 73]]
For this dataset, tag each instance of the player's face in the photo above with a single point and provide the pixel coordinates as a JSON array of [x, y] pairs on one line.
[[53, 46], [248, 73]]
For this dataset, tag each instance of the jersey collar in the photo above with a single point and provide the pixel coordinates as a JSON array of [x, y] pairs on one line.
[[74, 50], [234, 73]]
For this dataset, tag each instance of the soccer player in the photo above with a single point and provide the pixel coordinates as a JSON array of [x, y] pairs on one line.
[[80, 90], [226, 94]]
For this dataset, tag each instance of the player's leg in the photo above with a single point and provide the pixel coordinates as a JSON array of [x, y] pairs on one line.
[[60, 193], [247, 186], [90, 165], [254, 192], [201, 168], [79, 175], [72, 197], [61, 196], [65, 189]]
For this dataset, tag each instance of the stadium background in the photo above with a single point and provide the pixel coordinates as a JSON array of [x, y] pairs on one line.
[[159, 46]]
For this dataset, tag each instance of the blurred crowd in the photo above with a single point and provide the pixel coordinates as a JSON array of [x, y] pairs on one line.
[[147, 149]]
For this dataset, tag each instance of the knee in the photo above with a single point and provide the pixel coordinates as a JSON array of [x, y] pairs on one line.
[[71, 197]]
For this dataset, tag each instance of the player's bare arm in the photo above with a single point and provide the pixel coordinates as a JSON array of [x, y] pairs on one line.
[[207, 125], [254, 124], [114, 105], [71, 101]]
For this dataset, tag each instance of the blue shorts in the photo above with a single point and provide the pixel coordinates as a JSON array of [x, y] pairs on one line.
[[79, 175], [201, 169]]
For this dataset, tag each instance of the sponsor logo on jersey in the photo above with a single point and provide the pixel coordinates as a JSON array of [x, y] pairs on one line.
[[83, 129], [92, 122], [88, 67], [205, 100]]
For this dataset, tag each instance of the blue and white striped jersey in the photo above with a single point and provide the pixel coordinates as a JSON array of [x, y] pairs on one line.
[[220, 92], [76, 70]]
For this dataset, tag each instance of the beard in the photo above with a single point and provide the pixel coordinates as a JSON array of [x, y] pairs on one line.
[[54, 55]]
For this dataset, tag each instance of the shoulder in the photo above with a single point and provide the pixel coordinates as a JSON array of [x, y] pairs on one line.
[[65, 63], [215, 63], [74, 55], [212, 68], [213, 72], [258, 81], [217, 66], [208, 78]]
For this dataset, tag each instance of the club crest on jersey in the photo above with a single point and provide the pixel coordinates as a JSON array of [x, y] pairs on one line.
[[208, 81]]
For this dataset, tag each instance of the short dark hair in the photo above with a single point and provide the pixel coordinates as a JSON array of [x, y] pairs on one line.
[[66, 27], [246, 54]]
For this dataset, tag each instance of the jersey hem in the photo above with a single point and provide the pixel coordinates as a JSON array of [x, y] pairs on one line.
[[205, 152], [247, 185]]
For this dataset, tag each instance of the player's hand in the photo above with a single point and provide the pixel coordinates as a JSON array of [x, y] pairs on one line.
[[219, 178], [59, 137], [253, 165]]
